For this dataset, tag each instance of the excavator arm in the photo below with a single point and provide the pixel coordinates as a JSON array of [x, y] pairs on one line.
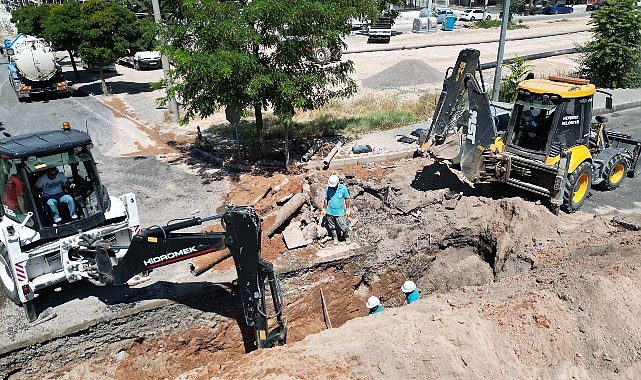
[[161, 245], [461, 134]]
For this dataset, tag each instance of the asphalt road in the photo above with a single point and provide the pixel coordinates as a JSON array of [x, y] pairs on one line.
[[627, 198], [404, 24]]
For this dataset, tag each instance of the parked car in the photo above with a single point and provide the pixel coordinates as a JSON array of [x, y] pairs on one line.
[[474, 14], [96, 68], [557, 9], [147, 60], [594, 6], [439, 13]]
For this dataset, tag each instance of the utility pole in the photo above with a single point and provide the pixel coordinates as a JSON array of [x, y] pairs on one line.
[[499, 56], [173, 105]]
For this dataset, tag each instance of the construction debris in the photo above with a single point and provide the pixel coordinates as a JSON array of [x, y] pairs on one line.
[[331, 154], [285, 213]]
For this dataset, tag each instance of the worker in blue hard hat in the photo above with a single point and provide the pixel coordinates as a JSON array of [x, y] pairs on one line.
[[411, 293]]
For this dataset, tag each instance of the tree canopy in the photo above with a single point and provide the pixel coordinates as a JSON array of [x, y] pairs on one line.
[[612, 59], [257, 54], [30, 19], [98, 31]]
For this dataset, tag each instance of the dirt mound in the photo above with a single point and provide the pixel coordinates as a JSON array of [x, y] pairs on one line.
[[575, 319], [405, 73], [508, 290]]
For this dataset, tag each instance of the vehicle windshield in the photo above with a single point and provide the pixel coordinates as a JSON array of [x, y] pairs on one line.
[[532, 120], [76, 165]]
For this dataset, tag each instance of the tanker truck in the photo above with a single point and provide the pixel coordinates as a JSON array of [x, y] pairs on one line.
[[33, 68]]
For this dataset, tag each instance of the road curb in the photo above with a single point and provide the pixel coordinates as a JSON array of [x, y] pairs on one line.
[[617, 107], [361, 160], [467, 43]]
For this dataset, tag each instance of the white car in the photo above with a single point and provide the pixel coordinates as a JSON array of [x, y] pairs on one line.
[[474, 14]]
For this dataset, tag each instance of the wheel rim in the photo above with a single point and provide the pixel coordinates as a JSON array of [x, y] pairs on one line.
[[617, 173], [581, 188], [5, 275]]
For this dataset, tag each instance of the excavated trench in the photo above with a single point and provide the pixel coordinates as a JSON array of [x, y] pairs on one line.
[[191, 333]]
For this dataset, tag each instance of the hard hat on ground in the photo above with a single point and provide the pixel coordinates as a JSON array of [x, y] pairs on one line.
[[372, 302], [408, 287], [333, 180]]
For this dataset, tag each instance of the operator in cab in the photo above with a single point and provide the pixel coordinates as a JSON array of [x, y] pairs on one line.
[[50, 185]]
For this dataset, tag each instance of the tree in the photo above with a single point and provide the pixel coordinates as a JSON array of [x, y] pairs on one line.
[[239, 54], [30, 19], [612, 58], [109, 30], [64, 27], [519, 69]]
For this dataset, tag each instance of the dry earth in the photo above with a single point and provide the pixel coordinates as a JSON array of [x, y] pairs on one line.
[[508, 289]]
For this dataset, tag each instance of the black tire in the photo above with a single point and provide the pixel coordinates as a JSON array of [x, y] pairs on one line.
[[577, 187], [473, 19], [488, 17], [322, 56], [614, 171], [7, 280]]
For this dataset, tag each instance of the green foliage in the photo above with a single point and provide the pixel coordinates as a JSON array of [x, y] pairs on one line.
[[496, 23], [519, 69], [30, 19], [487, 24], [109, 30], [257, 54], [612, 58], [64, 26]]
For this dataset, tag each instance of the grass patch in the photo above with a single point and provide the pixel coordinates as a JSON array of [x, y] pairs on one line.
[[347, 118], [496, 23]]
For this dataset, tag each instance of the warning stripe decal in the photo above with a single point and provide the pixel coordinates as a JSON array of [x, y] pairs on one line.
[[21, 273]]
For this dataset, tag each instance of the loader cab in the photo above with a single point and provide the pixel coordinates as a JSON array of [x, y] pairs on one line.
[[550, 116], [26, 158]]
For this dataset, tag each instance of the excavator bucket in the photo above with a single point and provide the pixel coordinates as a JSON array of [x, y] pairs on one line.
[[478, 134], [461, 133]]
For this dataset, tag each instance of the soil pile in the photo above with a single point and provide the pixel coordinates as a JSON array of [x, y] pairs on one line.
[[508, 290]]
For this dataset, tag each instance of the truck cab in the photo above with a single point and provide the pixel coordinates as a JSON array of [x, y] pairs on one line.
[[37, 251]]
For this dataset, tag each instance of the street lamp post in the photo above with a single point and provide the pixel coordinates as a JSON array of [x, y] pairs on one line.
[[499, 56]]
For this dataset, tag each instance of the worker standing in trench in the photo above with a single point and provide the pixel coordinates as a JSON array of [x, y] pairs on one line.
[[410, 291], [336, 208]]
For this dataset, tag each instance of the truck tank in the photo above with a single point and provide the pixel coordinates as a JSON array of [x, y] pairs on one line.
[[33, 67]]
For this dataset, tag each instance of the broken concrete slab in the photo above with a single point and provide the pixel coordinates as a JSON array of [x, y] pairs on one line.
[[294, 237]]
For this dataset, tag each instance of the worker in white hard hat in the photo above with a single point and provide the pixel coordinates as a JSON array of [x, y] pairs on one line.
[[411, 293], [374, 305], [336, 209]]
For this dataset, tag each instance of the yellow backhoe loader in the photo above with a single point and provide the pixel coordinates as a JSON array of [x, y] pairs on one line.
[[550, 145]]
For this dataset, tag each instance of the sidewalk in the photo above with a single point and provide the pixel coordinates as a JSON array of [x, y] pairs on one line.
[[386, 145]]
